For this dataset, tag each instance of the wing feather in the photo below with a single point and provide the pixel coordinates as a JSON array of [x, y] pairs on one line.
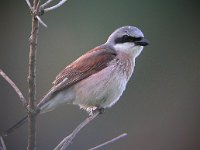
[[90, 63]]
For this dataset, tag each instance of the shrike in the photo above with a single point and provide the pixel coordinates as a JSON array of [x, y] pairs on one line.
[[97, 79]]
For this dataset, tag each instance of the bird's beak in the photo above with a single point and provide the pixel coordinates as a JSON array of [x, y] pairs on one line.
[[142, 42]]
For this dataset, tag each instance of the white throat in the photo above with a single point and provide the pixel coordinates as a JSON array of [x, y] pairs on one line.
[[130, 49]]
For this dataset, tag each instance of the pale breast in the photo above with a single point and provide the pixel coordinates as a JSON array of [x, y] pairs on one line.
[[104, 88]]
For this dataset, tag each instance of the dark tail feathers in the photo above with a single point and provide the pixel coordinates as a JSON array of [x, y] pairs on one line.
[[15, 126]]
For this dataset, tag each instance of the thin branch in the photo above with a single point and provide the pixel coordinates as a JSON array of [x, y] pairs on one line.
[[110, 141], [59, 146], [42, 22], [45, 4], [29, 4], [55, 6], [19, 93], [32, 77], [3, 144], [43, 10], [68, 140]]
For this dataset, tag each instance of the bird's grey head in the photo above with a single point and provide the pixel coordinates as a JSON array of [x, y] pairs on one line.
[[128, 39]]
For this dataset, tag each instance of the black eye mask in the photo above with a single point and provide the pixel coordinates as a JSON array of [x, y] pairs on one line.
[[127, 38]]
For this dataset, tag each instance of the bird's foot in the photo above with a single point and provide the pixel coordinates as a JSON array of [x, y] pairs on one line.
[[97, 109]]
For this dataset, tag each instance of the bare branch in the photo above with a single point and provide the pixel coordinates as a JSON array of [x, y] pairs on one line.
[[19, 93], [55, 6], [42, 22], [45, 4], [68, 140], [32, 77], [110, 141], [59, 146], [3, 144], [29, 4]]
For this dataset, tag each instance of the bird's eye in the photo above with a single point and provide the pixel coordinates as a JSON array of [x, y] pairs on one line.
[[125, 37]]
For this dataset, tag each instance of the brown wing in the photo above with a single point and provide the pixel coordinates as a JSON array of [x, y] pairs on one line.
[[90, 63]]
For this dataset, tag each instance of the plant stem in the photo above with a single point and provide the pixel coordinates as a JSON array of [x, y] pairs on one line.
[[32, 79]]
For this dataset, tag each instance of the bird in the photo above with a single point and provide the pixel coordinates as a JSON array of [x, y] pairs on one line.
[[98, 78]]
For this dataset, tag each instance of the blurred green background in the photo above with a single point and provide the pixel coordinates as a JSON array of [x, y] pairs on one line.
[[160, 109]]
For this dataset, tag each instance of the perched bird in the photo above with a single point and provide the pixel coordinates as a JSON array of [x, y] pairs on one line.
[[97, 79]]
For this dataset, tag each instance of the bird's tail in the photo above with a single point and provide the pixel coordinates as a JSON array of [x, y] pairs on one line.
[[15, 126]]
